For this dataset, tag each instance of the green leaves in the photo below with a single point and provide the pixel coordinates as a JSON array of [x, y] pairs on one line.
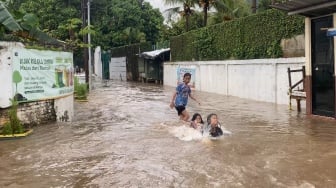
[[62, 19], [29, 22], [7, 19], [14, 126], [256, 36]]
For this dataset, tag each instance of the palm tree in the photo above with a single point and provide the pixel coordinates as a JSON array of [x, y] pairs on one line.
[[186, 12], [205, 5], [230, 10], [265, 4]]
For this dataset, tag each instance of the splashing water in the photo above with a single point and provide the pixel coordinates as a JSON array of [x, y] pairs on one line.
[[184, 132]]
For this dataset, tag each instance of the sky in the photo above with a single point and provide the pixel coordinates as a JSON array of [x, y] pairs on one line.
[[159, 4]]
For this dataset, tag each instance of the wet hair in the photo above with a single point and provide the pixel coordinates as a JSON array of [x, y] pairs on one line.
[[209, 118], [195, 116], [186, 74]]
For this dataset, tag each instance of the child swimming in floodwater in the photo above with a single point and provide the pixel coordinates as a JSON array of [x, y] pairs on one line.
[[213, 126], [197, 121]]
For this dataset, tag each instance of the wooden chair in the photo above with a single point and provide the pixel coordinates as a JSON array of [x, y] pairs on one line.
[[294, 91]]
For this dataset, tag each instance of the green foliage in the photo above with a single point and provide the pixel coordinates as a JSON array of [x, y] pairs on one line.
[[29, 21], [14, 125], [203, 44], [24, 26], [63, 20], [256, 36], [179, 27], [81, 90], [229, 10], [7, 129], [7, 19], [264, 5], [116, 17]]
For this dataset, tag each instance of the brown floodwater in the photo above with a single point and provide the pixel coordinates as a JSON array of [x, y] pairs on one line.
[[127, 136]]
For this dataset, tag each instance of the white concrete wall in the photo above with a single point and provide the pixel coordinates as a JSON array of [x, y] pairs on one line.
[[6, 70], [64, 108], [258, 79], [98, 63]]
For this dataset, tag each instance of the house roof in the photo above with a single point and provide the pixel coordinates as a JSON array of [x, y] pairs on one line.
[[153, 54], [309, 8]]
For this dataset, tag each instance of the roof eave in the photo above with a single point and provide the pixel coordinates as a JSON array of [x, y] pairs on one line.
[[292, 7]]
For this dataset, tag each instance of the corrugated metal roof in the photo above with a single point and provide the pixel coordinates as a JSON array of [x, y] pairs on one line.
[[309, 8], [153, 54]]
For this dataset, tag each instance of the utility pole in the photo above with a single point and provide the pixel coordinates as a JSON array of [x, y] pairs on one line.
[[254, 6], [85, 52], [89, 48]]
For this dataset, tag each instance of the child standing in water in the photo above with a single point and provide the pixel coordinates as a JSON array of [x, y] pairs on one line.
[[213, 126], [180, 98], [197, 121]]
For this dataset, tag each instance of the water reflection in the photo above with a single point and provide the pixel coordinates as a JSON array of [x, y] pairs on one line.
[[124, 137]]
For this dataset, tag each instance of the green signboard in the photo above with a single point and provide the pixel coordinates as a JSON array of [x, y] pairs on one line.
[[39, 75]]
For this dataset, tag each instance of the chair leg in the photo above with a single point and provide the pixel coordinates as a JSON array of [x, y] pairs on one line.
[[298, 103]]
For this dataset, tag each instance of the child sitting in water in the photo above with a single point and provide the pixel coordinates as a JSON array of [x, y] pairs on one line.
[[213, 126], [197, 121]]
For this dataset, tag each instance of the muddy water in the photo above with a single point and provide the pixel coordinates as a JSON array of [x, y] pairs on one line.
[[127, 136]]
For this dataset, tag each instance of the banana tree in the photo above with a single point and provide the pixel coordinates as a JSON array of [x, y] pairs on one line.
[[7, 20], [26, 27]]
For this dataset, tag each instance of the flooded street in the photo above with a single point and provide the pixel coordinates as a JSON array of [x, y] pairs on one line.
[[127, 136]]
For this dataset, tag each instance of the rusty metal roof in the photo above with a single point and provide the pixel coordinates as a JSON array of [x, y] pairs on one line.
[[309, 8]]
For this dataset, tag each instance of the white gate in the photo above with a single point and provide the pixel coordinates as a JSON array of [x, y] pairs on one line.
[[118, 68]]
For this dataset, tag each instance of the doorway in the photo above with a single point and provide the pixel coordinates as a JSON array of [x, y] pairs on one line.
[[323, 83]]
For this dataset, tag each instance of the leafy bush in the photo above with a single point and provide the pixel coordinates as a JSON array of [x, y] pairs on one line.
[[251, 37], [81, 90], [14, 125]]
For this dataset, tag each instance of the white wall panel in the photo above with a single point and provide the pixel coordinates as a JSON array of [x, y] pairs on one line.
[[118, 68], [257, 79]]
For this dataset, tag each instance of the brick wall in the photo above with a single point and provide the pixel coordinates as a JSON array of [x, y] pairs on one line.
[[32, 113]]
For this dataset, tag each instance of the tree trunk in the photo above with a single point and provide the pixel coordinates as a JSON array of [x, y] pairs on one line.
[[187, 23], [254, 6], [205, 11]]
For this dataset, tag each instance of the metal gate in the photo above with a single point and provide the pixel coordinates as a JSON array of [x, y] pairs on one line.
[[118, 68], [105, 58]]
